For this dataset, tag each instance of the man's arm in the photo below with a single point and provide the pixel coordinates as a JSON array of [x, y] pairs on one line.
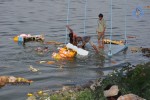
[[71, 31]]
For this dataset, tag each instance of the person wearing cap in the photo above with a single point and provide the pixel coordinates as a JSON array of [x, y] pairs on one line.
[[75, 40], [101, 30], [111, 92]]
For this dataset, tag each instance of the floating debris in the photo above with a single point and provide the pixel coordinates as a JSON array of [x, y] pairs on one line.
[[64, 53], [31, 68], [46, 62], [41, 49], [50, 62], [131, 36], [147, 7], [12, 80], [146, 52], [113, 62], [20, 80], [27, 38], [135, 49], [54, 43], [108, 41], [42, 62]]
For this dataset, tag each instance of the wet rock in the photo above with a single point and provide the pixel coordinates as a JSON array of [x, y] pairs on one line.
[[66, 88]]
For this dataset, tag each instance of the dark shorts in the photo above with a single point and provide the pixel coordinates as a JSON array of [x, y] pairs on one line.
[[83, 40], [86, 38]]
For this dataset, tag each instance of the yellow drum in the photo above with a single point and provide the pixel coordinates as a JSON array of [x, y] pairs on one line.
[[15, 38]]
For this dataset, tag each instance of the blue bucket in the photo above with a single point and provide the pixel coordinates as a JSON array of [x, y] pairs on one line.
[[20, 39]]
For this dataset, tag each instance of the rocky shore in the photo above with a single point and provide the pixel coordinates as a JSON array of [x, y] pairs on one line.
[[130, 79]]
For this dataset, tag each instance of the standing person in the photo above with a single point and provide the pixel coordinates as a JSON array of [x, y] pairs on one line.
[[101, 30], [75, 40]]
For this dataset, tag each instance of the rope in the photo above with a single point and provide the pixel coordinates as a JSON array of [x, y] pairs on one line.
[[110, 53], [68, 8], [85, 16], [125, 22]]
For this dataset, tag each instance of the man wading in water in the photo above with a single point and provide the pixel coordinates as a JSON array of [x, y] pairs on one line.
[[75, 40]]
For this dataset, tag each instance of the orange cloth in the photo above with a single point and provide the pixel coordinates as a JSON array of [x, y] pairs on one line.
[[64, 53]]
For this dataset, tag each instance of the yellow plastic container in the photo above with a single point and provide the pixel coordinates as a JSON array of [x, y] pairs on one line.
[[15, 38]]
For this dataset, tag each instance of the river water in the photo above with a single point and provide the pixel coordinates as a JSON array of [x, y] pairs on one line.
[[48, 17]]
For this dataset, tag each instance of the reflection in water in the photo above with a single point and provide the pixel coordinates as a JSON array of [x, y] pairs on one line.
[[138, 12]]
